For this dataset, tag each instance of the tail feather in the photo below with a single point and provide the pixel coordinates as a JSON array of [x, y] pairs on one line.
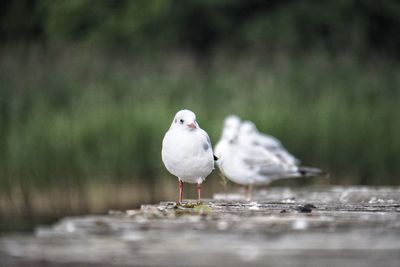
[[310, 172]]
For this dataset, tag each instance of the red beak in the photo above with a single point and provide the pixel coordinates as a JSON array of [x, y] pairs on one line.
[[192, 125]]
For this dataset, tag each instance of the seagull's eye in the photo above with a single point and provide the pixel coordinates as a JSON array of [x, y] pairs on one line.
[[181, 121]]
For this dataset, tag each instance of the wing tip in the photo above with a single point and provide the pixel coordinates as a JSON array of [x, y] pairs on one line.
[[310, 171]]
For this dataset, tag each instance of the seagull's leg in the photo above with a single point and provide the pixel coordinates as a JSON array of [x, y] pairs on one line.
[[180, 191], [198, 187], [249, 192]]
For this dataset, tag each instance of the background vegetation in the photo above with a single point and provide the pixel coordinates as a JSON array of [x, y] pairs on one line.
[[88, 88]]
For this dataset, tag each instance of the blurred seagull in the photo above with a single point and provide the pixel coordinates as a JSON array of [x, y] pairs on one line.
[[187, 152], [252, 158]]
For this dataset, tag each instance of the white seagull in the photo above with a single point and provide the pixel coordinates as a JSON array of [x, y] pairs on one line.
[[252, 158], [187, 151]]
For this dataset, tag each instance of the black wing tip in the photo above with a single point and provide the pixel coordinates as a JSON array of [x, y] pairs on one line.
[[215, 158], [309, 171]]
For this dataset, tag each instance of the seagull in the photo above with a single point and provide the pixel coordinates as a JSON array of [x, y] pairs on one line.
[[187, 152], [248, 157]]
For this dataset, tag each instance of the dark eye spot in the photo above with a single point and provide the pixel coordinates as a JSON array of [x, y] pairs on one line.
[[181, 121]]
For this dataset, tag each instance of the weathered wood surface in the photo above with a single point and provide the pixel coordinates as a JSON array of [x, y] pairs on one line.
[[331, 226]]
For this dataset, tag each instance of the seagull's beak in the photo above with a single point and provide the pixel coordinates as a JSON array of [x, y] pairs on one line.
[[192, 125]]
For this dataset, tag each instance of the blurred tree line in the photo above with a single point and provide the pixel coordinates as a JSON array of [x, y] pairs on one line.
[[354, 26]]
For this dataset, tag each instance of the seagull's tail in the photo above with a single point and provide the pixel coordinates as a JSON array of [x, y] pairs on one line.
[[310, 172], [302, 172]]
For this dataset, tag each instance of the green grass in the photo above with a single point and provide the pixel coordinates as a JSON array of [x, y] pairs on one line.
[[71, 117]]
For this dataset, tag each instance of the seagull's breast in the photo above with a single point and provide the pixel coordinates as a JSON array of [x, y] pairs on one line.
[[187, 155]]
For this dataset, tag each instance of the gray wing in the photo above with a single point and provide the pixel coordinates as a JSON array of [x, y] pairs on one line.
[[207, 141], [275, 146], [257, 156], [266, 162]]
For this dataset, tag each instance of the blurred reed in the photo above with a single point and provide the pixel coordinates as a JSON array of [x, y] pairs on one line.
[[87, 126]]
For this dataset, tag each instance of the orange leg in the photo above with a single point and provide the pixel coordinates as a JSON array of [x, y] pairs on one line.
[[249, 192], [180, 191], [198, 187]]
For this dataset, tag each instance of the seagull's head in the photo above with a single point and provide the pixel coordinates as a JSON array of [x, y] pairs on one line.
[[185, 119], [232, 121], [231, 128], [247, 127]]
